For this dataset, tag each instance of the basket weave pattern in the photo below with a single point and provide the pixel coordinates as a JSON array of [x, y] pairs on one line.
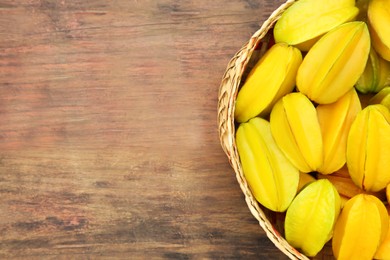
[[228, 90]]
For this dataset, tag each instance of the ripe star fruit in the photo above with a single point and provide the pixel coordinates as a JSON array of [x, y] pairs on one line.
[[271, 177], [360, 228], [295, 127], [334, 64], [272, 77], [383, 252], [379, 22], [305, 21], [335, 121], [311, 217], [368, 150]]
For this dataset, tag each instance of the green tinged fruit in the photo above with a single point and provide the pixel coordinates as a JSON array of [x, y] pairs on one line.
[[271, 78], [311, 217], [271, 177], [295, 127], [305, 21], [368, 150], [334, 64]]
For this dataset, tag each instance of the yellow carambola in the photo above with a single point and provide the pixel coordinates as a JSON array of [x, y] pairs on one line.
[[305, 21], [334, 64], [296, 130], [271, 177], [335, 121], [311, 217], [368, 150], [376, 75], [271, 78], [383, 251], [379, 21], [361, 227]]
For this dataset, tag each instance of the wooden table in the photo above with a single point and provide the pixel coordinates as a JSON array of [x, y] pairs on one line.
[[109, 146]]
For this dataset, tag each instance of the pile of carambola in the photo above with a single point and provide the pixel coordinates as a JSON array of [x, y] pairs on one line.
[[309, 146]]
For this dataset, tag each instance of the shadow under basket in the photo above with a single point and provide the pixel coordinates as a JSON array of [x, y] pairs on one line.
[[235, 74]]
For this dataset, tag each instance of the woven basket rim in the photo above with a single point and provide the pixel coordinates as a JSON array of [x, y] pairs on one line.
[[226, 99]]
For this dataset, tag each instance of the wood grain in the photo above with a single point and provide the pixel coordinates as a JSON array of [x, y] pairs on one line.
[[108, 134]]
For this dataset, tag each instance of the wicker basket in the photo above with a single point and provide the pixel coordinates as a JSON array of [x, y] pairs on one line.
[[236, 70]]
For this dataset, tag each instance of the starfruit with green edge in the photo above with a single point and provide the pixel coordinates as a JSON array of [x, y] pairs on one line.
[[379, 22], [334, 64], [311, 217], [335, 121], [368, 150], [382, 97], [305, 21], [360, 228], [383, 252], [296, 130], [272, 77], [271, 177], [376, 74]]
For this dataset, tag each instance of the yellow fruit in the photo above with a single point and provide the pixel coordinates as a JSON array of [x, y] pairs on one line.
[[383, 251], [305, 21], [368, 150], [295, 127], [271, 78], [379, 21], [360, 229], [334, 64], [271, 177], [311, 217], [335, 121]]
